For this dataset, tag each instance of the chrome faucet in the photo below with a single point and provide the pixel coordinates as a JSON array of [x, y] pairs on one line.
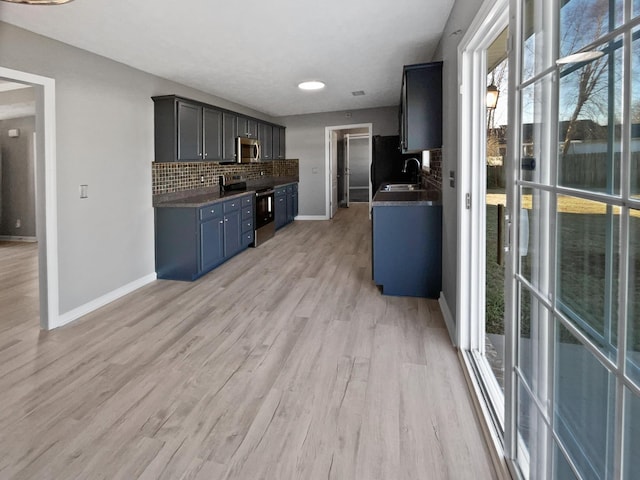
[[416, 175], [406, 162]]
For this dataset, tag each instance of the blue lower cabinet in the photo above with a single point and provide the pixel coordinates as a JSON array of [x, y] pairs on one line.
[[407, 250], [248, 238], [286, 199], [190, 242], [248, 230], [281, 211], [211, 243], [232, 233], [294, 204]]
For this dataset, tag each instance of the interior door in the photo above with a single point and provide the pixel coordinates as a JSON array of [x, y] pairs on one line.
[[334, 173], [347, 171]]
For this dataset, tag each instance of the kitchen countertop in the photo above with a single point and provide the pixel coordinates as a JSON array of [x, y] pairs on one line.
[[402, 199], [204, 196]]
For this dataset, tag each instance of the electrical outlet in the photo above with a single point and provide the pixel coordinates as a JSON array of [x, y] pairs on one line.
[[84, 191], [18, 223]]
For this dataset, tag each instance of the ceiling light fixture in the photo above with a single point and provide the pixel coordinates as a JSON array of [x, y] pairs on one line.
[[312, 85], [580, 57], [39, 2]]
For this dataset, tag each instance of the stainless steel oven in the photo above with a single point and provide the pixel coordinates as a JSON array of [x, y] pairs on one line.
[[265, 218]]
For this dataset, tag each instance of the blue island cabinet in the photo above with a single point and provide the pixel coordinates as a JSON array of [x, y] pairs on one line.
[[407, 249]]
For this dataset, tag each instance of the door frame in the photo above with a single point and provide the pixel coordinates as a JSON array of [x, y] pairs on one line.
[[328, 152], [491, 19], [46, 192], [334, 181]]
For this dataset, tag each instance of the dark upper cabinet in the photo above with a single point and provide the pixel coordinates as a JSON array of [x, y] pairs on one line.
[[186, 131], [229, 134], [278, 146], [189, 132], [247, 127], [275, 142], [421, 107], [212, 131], [265, 135], [281, 144]]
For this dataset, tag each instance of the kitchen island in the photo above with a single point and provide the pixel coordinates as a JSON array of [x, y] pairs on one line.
[[407, 242]]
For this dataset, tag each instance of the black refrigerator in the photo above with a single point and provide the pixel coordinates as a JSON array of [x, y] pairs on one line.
[[387, 162]]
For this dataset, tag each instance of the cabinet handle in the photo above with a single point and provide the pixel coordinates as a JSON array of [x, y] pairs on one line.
[[206, 154], [213, 211], [226, 219], [220, 222]]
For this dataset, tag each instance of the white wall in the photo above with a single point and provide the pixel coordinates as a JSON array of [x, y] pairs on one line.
[[306, 141], [104, 125], [462, 15]]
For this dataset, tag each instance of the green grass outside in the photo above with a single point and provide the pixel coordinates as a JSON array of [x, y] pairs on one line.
[[582, 271]]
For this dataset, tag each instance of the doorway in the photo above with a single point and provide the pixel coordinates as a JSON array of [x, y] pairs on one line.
[[357, 167], [348, 161], [17, 162], [484, 208], [495, 195], [44, 149], [18, 246]]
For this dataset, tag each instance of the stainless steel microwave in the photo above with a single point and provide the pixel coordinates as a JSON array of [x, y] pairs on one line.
[[247, 150]]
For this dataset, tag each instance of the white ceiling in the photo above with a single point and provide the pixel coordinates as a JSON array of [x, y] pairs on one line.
[[255, 52], [15, 109], [8, 86]]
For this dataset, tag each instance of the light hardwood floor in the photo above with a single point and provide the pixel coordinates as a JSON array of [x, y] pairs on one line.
[[284, 363]]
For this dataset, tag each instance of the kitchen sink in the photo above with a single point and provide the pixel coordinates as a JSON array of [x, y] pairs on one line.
[[400, 187]]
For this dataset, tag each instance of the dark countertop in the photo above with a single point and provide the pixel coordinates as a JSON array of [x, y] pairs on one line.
[[403, 199], [205, 196]]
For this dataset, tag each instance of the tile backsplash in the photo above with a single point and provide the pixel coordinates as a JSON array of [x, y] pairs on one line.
[[177, 177]]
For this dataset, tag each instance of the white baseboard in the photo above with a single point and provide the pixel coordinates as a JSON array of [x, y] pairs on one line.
[[312, 217], [89, 307], [10, 238], [448, 318]]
